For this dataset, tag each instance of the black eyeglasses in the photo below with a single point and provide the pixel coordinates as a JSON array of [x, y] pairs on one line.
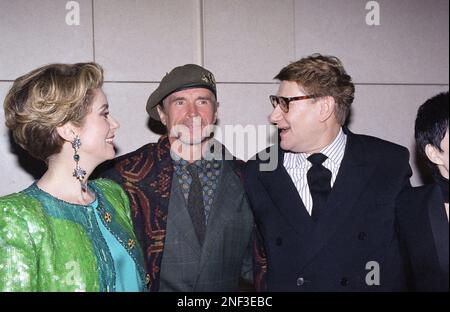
[[284, 101]]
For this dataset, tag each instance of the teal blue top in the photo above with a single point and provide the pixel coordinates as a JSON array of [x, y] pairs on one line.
[[127, 276]]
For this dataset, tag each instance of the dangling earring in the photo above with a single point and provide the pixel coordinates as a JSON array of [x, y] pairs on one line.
[[78, 172]]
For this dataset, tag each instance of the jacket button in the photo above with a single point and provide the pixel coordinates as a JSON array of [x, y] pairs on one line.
[[300, 281], [344, 281], [362, 236], [279, 241]]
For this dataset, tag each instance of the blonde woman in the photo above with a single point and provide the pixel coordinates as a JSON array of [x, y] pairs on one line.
[[65, 233]]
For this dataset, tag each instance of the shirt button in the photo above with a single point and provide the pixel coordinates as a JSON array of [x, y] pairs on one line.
[[362, 236], [344, 281], [300, 281]]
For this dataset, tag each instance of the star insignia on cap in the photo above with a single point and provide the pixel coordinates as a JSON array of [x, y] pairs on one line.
[[209, 79]]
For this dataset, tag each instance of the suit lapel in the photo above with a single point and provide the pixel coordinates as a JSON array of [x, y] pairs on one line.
[[180, 220], [353, 176], [439, 226], [226, 203], [286, 198]]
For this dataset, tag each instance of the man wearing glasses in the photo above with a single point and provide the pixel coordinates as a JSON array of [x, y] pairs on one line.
[[326, 214]]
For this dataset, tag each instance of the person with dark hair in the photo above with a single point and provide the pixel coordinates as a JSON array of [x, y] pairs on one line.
[[423, 211], [326, 214]]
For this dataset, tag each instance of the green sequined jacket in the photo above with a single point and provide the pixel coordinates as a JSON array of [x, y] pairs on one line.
[[47, 244]]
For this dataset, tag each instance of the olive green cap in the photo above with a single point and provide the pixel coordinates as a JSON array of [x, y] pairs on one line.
[[180, 78]]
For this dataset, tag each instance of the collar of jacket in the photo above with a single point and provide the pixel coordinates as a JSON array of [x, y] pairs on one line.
[[153, 211]]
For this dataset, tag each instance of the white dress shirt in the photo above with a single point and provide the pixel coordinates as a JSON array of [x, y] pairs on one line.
[[297, 165]]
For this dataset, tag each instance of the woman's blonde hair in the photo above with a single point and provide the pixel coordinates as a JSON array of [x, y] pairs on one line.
[[46, 98]]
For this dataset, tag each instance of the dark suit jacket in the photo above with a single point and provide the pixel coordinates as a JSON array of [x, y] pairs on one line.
[[146, 176], [356, 227], [424, 234]]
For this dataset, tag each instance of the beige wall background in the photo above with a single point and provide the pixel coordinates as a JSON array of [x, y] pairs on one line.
[[396, 65]]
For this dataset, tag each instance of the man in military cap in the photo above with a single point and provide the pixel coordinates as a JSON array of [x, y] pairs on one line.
[[188, 204]]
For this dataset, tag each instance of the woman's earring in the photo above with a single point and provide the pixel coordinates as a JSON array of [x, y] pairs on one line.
[[79, 173]]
